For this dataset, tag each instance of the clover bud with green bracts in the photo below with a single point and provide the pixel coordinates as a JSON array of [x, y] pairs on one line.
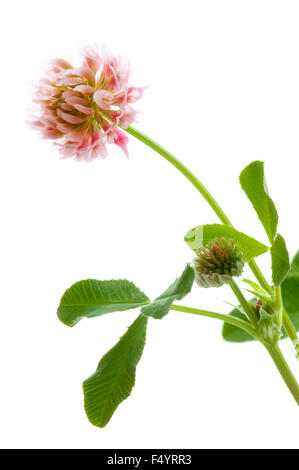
[[269, 324], [268, 329], [218, 262]]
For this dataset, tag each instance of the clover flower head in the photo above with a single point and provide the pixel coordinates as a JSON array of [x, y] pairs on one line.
[[218, 262], [82, 108]]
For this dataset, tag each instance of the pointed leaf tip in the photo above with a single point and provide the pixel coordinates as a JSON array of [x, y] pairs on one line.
[[176, 291], [280, 260], [114, 378], [253, 182]]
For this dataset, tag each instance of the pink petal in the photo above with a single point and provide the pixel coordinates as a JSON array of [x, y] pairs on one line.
[[84, 109], [115, 68], [61, 63], [128, 117], [103, 98], [121, 140], [52, 134], [64, 127], [135, 93], [49, 120], [67, 150], [67, 107], [78, 135], [70, 118], [86, 73], [71, 99], [67, 94], [92, 58], [70, 81], [44, 81], [68, 73], [84, 89], [35, 124]]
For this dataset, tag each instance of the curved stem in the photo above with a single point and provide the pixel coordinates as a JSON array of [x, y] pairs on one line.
[[284, 371], [218, 316], [183, 169]]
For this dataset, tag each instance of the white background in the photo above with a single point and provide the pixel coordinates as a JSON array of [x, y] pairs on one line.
[[224, 91]]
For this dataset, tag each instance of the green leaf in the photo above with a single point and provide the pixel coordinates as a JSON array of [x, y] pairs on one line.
[[290, 289], [234, 334], [280, 260], [290, 293], [257, 290], [115, 376], [202, 234], [253, 182], [179, 289], [91, 298]]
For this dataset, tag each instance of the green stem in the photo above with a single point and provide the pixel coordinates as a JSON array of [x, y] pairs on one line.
[[279, 305], [218, 316], [244, 304], [284, 371], [183, 169], [260, 277]]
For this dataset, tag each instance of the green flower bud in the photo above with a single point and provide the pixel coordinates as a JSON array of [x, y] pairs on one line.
[[268, 329], [269, 319], [218, 262]]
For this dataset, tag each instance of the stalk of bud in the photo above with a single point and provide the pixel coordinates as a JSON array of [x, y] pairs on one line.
[[218, 262]]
